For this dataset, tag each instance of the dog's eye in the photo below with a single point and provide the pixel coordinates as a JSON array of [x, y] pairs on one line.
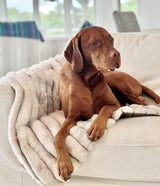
[[93, 43], [112, 40]]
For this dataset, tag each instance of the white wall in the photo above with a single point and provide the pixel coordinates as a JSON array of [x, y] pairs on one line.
[[149, 14], [103, 13]]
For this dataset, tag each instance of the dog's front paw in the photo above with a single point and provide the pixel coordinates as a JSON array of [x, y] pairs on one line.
[[96, 130], [65, 168]]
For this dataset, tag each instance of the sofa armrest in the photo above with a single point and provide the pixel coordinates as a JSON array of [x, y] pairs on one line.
[[6, 100], [11, 171], [9, 162]]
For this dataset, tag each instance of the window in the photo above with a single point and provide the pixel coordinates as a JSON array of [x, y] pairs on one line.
[[65, 17], [57, 17], [129, 5], [19, 10], [52, 16], [81, 11]]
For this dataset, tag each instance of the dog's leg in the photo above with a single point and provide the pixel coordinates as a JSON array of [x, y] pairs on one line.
[[105, 104], [99, 125], [136, 99], [65, 167], [151, 94]]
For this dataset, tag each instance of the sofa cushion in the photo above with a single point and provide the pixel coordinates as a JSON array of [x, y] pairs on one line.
[[130, 150], [140, 56]]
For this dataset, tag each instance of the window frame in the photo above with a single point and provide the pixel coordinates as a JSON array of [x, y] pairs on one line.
[[3, 14]]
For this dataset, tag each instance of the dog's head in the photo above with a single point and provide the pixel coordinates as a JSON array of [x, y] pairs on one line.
[[92, 46]]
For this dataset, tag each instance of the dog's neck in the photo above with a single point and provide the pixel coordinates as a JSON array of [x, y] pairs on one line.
[[91, 76]]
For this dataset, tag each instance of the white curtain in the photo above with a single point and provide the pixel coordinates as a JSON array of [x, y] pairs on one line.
[[17, 53]]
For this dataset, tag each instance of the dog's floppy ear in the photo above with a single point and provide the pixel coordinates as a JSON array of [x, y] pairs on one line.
[[73, 55]]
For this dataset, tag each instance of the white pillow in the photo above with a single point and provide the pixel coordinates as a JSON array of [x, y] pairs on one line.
[[140, 56]]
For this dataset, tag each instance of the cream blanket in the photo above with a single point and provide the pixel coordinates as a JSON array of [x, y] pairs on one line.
[[34, 121]]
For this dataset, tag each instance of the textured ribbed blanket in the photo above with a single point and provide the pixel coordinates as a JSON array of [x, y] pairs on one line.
[[34, 120]]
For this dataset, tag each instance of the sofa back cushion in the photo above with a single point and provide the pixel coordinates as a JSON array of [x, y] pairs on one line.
[[140, 56]]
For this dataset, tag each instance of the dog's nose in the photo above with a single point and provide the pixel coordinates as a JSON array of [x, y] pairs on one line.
[[115, 58], [114, 54]]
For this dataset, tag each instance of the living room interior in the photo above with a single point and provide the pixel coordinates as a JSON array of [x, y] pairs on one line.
[[33, 37]]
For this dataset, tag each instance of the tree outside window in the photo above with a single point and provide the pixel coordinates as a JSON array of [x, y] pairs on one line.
[[52, 16], [129, 5], [19, 10]]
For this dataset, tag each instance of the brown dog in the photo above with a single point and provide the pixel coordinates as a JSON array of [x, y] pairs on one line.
[[127, 89], [85, 88]]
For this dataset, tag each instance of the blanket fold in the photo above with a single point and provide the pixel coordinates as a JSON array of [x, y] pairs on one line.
[[35, 119]]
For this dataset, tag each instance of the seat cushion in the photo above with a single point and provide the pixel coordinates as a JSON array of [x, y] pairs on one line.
[[130, 150]]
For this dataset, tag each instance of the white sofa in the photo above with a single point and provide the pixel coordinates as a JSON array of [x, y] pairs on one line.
[[129, 152]]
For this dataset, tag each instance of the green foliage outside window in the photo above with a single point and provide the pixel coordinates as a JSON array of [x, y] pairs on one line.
[[129, 5], [15, 15]]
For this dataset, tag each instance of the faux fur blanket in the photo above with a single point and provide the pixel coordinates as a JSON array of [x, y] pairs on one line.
[[34, 121]]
